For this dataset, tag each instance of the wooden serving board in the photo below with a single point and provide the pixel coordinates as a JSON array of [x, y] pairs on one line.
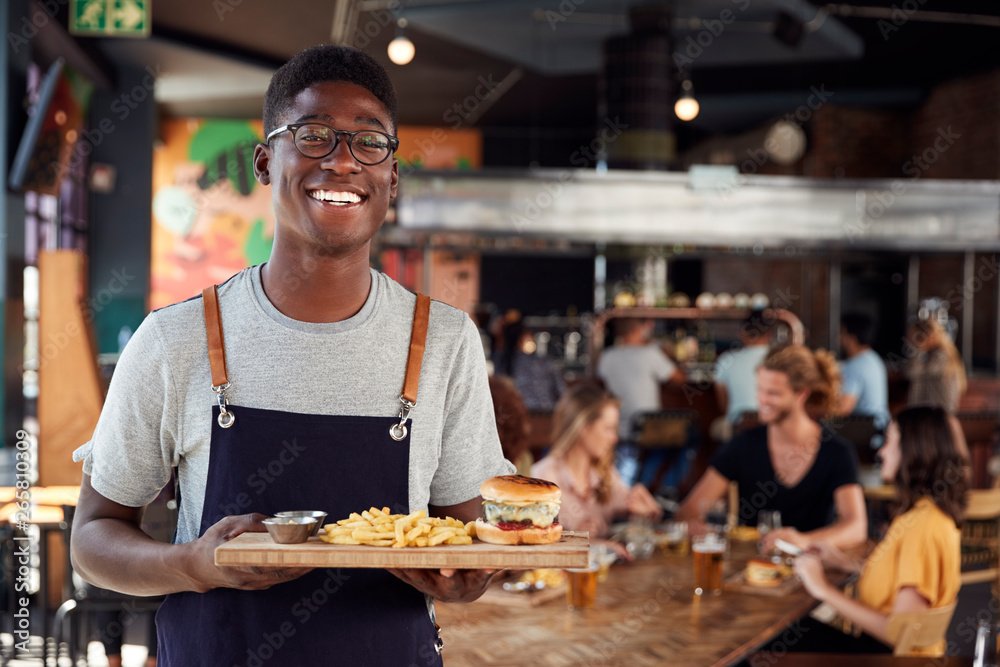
[[258, 549], [737, 582]]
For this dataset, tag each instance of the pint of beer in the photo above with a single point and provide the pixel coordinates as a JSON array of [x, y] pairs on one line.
[[674, 540], [708, 552], [582, 587]]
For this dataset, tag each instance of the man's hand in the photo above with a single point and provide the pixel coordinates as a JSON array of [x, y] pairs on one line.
[[207, 575], [790, 535], [448, 585]]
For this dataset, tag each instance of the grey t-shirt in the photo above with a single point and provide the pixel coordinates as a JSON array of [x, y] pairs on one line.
[[633, 373], [158, 412]]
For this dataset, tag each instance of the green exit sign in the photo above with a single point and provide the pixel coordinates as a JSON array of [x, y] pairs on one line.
[[110, 18]]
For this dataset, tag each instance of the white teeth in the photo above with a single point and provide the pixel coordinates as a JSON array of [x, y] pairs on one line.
[[335, 197]]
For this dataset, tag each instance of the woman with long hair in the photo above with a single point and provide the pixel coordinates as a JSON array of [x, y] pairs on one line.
[[584, 433], [936, 370], [917, 565], [790, 464]]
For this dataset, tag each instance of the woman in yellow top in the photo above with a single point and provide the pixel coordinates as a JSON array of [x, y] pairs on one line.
[[916, 566]]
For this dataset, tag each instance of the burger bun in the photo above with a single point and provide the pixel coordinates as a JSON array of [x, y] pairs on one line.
[[518, 488], [486, 532]]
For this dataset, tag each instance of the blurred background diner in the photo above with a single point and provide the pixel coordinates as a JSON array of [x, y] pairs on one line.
[[660, 215]]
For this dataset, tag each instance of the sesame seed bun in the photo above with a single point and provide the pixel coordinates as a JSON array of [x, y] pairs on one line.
[[518, 488]]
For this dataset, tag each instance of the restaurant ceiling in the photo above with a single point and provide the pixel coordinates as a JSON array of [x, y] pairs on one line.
[[744, 77]]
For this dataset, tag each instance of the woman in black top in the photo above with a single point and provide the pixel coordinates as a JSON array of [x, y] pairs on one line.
[[790, 464]]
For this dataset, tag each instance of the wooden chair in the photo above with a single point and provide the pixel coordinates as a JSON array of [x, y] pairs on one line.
[[913, 630], [667, 430], [981, 538], [859, 430], [746, 421]]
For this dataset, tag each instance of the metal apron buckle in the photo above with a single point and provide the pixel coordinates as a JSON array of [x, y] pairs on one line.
[[398, 431], [226, 417]]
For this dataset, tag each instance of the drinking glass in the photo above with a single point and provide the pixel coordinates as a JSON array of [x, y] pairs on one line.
[[581, 591], [768, 520], [675, 538], [639, 538], [986, 645], [709, 550]]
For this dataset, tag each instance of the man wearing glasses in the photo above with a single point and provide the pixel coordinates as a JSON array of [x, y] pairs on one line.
[[310, 382]]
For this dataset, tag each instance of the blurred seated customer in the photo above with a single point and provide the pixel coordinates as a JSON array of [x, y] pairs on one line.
[[584, 433], [632, 369], [864, 383], [111, 629], [735, 373], [535, 377], [512, 423], [917, 565], [936, 371], [790, 464]]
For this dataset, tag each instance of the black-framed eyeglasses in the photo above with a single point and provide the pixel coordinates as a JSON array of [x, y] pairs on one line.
[[315, 140]]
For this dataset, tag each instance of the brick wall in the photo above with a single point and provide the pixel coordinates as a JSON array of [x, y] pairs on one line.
[[954, 133], [965, 114], [848, 142]]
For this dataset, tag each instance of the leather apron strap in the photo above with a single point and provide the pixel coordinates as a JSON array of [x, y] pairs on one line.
[[216, 343], [414, 359], [418, 343]]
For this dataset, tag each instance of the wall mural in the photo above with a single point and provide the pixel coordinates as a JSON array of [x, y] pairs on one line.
[[210, 216]]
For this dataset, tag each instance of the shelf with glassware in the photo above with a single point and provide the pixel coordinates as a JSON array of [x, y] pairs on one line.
[[694, 337], [563, 339]]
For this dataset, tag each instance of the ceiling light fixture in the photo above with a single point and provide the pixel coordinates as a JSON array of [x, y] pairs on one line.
[[401, 50], [686, 107]]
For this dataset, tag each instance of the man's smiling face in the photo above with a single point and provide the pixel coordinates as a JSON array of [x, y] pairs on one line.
[[334, 204]]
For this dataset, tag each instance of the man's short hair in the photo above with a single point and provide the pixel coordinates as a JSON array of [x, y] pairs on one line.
[[860, 326], [626, 325], [757, 324], [327, 62]]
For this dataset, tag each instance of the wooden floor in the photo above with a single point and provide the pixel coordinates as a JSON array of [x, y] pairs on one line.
[[646, 614]]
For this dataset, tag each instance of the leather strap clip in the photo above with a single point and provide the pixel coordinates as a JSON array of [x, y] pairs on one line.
[[217, 354], [414, 361]]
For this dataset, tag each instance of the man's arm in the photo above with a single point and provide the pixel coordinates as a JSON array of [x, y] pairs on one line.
[[851, 526], [711, 487], [110, 550], [850, 529]]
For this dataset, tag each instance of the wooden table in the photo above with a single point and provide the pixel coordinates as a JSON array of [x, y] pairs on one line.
[[646, 614]]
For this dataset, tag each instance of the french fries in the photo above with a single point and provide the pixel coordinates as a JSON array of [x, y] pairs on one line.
[[379, 528]]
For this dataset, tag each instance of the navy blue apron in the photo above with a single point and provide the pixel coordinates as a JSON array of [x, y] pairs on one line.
[[269, 461]]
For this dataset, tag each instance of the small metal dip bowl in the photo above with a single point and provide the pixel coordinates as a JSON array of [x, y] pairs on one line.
[[314, 514], [290, 530]]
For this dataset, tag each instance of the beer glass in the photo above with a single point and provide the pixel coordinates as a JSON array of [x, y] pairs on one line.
[[675, 538], [708, 550], [581, 590]]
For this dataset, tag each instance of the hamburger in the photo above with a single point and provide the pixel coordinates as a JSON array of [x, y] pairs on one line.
[[764, 573], [519, 510]]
